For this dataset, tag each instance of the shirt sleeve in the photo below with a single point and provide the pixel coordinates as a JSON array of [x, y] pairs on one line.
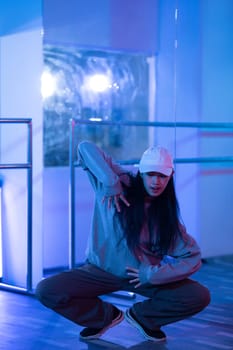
[[182, 261], [105, 174]]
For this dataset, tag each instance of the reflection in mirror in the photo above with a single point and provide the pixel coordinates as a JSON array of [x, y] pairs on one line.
[[99, 62], [91, 85]]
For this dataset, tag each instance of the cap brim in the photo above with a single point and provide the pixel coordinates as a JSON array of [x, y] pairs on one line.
[[152, 168]]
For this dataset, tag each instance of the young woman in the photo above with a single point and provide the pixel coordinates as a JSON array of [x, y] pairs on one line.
[[137, 244]]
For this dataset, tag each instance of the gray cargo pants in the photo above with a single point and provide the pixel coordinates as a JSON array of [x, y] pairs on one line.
[[75, 294]]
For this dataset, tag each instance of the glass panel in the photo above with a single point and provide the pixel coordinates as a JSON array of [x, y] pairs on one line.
[[14, 143], [14, 227], [91, 86], [99, 64], [172, 67]]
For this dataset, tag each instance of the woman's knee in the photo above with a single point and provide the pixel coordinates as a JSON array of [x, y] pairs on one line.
[[41, 290], [203, 295], [45, 294], [198, 295], [193, 295]]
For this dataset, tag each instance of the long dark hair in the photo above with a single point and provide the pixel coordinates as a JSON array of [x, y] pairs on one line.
[[163, 216]]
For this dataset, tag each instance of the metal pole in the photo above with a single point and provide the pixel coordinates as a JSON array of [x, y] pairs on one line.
[[15, 120], [29, 210], [28, 167], [199, 125], [72, 241], [15, 166]]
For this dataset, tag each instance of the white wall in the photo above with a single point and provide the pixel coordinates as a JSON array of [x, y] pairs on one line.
[[195, 84], [56, 216], [178, 97], [103, 24], [20, 71], [216, 186]]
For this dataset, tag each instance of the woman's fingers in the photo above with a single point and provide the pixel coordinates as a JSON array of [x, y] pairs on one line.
[[132, 269], [107, 198], [122, 197], [116, 199]]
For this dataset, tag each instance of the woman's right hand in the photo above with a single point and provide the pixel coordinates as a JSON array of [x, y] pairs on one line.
[[115, 200]]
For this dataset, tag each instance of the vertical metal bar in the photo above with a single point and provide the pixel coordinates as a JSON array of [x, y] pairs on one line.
[[29, 209], [72, 240], [1, 252], [28, 167], [152, 96]]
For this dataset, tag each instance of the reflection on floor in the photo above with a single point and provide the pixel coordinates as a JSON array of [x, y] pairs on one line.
[[26, 325]]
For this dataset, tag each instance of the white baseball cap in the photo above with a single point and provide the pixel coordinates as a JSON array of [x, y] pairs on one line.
[[156, 159]]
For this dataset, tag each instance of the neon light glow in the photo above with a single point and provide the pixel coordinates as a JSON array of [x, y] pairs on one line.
[[98, 83], [48, 84], [95, 119]]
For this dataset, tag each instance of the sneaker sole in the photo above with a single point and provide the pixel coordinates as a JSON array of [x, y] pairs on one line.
[[133, 323], [114, 322]]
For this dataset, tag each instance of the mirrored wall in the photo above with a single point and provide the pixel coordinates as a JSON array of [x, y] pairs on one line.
[[168, 62]]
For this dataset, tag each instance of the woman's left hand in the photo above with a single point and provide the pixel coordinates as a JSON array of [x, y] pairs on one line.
[[134, 273]]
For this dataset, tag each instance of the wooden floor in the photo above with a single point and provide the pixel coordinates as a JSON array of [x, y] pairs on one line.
[[26, 325]]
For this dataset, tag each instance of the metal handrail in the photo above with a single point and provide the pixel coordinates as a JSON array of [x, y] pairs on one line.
[[15, 166], [27, 166], [72, 163], [199, 125], [15, 120]]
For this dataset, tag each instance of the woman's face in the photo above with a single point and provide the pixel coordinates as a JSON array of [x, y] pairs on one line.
[[155, 183]]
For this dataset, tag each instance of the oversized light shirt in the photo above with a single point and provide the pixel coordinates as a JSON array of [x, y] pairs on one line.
[[105, 247]]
